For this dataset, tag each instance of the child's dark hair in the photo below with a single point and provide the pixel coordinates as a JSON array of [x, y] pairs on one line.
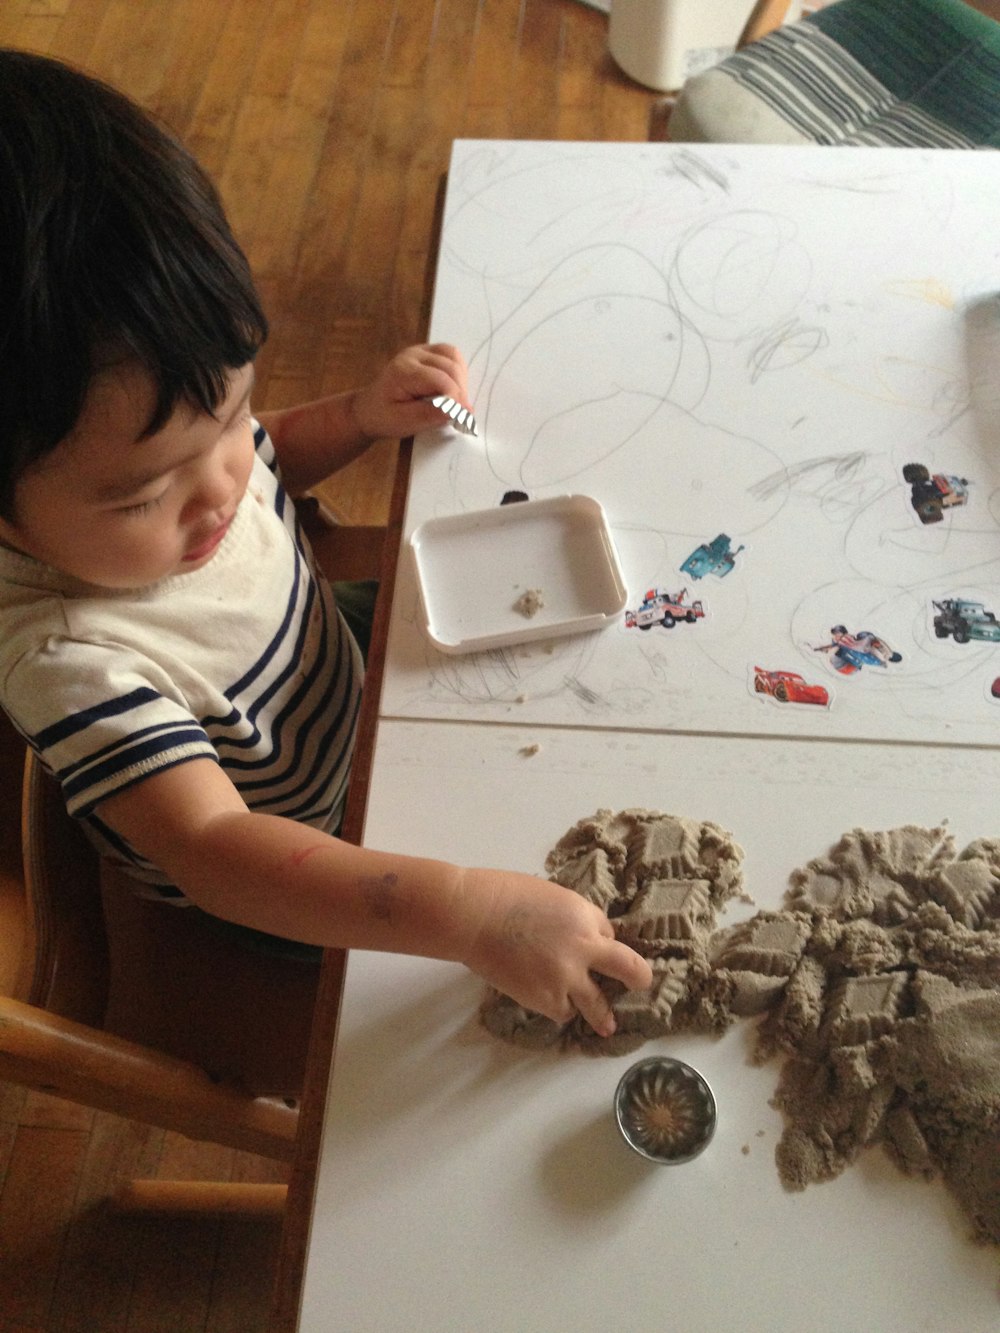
[[113, 247]]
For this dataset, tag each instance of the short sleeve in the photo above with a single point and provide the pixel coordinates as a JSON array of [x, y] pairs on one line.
[[99, 719]]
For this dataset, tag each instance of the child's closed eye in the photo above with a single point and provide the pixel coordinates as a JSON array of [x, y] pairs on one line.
[[143, 507]]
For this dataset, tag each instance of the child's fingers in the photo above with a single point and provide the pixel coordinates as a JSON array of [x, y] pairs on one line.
[[625, 965], [443, 354], [594, 1008], [439, 369]]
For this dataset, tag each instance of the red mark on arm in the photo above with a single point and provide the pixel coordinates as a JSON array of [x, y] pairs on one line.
[[297, 858]]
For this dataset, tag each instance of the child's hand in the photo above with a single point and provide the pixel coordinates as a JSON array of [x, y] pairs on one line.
[[393, 405], [539, 943]]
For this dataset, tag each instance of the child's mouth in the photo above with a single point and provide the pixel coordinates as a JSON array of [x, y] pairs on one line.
[[209, 544]]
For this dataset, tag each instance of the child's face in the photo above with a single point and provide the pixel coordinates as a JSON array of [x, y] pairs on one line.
[[120, 511]]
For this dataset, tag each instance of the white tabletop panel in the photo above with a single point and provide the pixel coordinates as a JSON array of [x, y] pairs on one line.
[[749, 343], [465, 1184]]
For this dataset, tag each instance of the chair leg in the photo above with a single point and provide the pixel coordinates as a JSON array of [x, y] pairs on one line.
[[659, 118]]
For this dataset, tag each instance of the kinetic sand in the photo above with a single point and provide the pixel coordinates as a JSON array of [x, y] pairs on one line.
[[878, 982], [530, 602]]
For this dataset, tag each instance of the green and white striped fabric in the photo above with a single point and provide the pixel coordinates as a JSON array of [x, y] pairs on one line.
[[906, 73]]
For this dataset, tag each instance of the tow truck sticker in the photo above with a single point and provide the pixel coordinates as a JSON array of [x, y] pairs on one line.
[[659, 607]]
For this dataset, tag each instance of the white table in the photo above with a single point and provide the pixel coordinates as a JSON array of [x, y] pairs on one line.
[[467, 1185], [462, 1184]]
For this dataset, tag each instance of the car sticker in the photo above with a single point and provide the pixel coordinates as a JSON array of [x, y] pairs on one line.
[[787, 687], [848, 653]]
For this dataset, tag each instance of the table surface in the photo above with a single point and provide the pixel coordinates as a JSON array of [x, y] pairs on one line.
[[461, 1183]]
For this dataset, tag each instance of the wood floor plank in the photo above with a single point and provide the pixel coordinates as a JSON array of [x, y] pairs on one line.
[[8, 1135], [73, 39], [227, 78], [35, 32], [369, 31], [102, 1248], [174, 1274], [371, 253], [190, 35], [243, 1276], [279, 40], [494, 59], [46, 1112], [447, 84], [245, 170], [128, 51], [34, 1217], [409, 43], [536, 72], [12, 1101]]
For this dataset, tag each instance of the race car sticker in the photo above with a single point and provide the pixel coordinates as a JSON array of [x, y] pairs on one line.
[[787, 687]]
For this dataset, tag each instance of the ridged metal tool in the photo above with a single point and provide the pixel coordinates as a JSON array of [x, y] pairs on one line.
[[461, 418]]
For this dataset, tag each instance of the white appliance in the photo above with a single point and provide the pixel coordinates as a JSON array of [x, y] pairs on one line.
[[662, 43]]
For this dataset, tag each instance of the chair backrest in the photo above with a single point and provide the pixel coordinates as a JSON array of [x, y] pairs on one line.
[[924, 73], [69, 949], [55, 970], [53, 949], [169, 978]]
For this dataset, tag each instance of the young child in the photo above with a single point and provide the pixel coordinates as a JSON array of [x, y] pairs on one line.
[[166, 645]]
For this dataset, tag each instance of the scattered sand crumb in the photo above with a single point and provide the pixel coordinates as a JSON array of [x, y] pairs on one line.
[[529, 750]]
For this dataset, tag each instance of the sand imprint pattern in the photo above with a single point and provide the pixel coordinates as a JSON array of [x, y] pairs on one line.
[[661, 880]]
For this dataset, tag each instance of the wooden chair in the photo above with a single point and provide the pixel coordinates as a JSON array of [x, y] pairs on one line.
[[135, 1007], [924, 73]]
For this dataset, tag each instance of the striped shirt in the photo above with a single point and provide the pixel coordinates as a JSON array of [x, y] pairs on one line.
[[245, 661]]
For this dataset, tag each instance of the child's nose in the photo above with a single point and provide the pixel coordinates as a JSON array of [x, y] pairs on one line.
[[214, 489]]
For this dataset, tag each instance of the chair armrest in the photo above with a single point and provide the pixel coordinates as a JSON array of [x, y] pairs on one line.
[[344, 551]]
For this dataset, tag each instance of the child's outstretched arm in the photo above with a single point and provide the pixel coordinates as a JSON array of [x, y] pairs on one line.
[[315, 439], [537, 942]]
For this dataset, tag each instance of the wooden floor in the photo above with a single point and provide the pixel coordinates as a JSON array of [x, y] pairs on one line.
[[327, 125]]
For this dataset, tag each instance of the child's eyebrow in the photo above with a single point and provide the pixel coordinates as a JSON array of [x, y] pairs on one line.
[[129, 486]]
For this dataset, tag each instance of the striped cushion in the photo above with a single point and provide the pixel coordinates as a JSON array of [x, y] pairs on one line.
[[907, 73]]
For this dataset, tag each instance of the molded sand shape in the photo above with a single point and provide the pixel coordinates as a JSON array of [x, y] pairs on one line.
[[665, 1110]]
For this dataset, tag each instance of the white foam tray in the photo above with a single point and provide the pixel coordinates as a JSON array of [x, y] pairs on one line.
[[473, 567]]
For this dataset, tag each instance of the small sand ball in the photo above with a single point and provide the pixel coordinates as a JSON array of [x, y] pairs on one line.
[[530, 602]]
